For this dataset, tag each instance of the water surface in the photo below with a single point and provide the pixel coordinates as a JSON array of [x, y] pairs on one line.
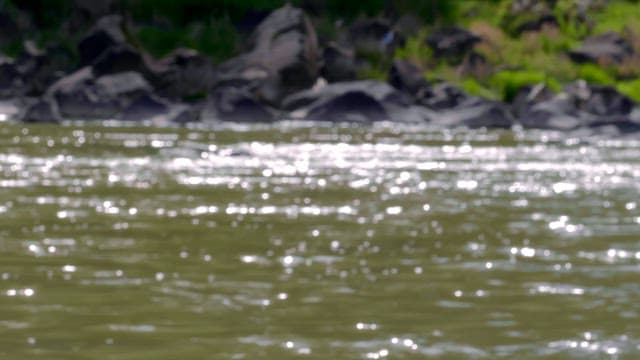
[[121, 242]]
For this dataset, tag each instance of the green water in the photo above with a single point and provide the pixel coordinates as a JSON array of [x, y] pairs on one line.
[[316, 242]]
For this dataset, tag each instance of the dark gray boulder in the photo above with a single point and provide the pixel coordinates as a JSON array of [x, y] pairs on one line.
[[407, 77], [528, 96], [284, 57], [43, 111], [351, 106], [599, 99], [482, 114], [189, 74], [380, 91], [40, 68], [11, 84], [452, 42], [106, 33], [235, 104], [604, 48], [82, 96], [144, 107], [558, 113], [338, 63], [443, 96]]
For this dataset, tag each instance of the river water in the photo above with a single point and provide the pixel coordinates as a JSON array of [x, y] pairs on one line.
[[318, 242]]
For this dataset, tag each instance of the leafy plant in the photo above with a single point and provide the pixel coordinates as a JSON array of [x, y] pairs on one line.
[[630, 88]]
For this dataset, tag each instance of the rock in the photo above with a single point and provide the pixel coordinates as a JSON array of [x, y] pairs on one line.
[[11, 109], [11, 84], [380, 91], [82, 96], [442, 96], [107, 32], [599, 99], [528, 15], [453, 42], [190, 74], [144, 107], [485, 114], [284, 57], [528, 96], [339, 63], [235, 104], [351, 106], [42, 111], [123, 86], [119, 59], [374, 35], [413, 114], [42, 67], [558, 113], [183, 114], [602, 49], [614, 125], [406, 76]]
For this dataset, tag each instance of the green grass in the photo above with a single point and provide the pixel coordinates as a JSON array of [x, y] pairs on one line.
[[630, 88]]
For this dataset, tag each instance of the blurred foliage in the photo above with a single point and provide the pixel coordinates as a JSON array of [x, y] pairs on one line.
[[511, 58], [630, 88], [508, 83], [217, 38], [595, 74]]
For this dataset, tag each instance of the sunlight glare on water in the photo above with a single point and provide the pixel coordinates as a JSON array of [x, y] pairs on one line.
[[296, 241]]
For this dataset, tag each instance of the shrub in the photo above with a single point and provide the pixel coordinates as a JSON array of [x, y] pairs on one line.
[[473, 87], [595, 74], [508, 83], [630, 88]]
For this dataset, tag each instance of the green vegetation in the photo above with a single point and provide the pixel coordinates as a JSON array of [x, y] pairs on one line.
[[507, 58], [514, 58]]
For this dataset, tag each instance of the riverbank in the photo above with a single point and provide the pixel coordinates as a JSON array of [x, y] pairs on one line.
[[556, 68]]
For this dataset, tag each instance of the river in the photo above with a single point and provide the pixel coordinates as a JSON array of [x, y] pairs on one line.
[[318, 242]]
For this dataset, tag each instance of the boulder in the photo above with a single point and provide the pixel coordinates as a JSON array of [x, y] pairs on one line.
[[144, 107], [42, 67], [528, 15], [11, 84], [189, 74], [605, 48], [557, 113], [443, 96], [351, 106], [528, 96], [82, 96], [41, 112], [406, 76], [380, 91], [452, 42], [125, 86], [338, 63], [599, 99], [483, 114], [123, 58], [284, 57], [614, 125], [106, 33], [235, 104], [414, 114]]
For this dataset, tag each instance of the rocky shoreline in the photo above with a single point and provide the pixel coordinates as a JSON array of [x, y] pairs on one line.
[[284, 74]]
